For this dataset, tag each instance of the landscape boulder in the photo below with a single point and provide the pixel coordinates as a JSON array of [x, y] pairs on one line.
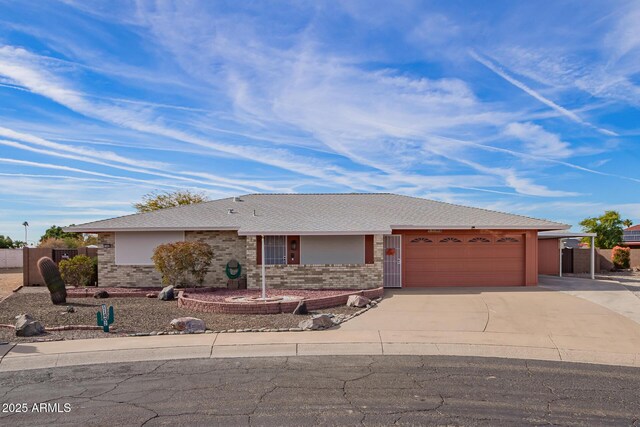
[[319, 321], [188, 324], [301, 308], [166, 294], [101, 294], [357, 301], [26, 326]]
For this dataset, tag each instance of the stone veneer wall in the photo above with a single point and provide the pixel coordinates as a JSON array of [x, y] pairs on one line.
[[226, 245], [335, 276]]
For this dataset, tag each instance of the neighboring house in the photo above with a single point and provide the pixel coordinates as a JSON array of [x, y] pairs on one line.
[[631, 238], [331, 241]]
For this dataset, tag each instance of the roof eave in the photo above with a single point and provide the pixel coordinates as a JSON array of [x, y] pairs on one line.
[[81, 229], [311, 233], [483, 227]]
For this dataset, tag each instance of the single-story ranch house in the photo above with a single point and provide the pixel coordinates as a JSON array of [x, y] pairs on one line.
[[330, 241]]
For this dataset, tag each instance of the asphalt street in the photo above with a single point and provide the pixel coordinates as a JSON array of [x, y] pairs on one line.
[[345, 390]]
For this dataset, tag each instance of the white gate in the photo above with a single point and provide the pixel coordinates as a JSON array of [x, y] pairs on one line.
[[392, 261]]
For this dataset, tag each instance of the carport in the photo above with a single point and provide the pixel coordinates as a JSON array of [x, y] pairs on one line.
[[550, 244]]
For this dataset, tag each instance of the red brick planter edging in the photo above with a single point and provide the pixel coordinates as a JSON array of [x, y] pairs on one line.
[[60, 328], [187, 301], [129, 293]]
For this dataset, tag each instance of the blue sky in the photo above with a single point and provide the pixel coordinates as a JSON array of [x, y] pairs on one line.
[[528, 107]]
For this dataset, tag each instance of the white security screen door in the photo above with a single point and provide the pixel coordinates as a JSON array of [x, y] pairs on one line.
[[392, 261]]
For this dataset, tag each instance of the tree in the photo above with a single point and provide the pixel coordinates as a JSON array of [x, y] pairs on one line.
[[55, 243], [608, 228], [56, 232], [6, 242], [155, 201]]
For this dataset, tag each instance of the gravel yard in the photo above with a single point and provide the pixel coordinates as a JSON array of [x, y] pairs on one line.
[[131, 315]]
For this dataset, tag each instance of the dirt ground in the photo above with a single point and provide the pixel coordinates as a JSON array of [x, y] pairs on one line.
[[131, 315], [10, 279]]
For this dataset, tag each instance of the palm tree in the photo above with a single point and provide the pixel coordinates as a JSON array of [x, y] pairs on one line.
[[25, 225]]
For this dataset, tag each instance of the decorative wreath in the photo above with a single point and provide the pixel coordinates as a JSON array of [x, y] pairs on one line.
[[391, 251], [233, 272]]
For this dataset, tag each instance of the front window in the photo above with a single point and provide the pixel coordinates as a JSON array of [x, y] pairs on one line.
[[275, 250]]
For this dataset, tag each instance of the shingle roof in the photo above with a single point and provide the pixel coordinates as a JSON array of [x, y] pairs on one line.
[[633, 228], [319, 214]]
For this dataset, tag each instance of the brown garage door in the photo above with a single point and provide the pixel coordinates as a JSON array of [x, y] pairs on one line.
[[463, 260]]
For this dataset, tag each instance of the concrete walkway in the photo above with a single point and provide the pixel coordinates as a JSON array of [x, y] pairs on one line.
[[607, 293], [526, 323]]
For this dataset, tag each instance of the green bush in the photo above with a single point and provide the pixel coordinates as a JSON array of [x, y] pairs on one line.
[[180, 260], [621, 257], [77, 271]]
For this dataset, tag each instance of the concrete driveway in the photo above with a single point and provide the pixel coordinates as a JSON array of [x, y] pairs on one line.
[[518, 316]]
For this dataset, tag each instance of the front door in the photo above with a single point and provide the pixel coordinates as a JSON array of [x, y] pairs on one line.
[[392, 261]]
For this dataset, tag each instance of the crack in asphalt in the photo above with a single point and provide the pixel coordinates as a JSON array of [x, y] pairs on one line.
[[461, 385]]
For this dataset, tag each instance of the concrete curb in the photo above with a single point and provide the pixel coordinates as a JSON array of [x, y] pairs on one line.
[[333, 342]]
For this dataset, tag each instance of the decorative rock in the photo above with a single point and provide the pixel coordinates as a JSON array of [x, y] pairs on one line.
[[320, 321], [188, 324], [301, 308], [71, 309], [166, 294], [295, 329], [101, 294], [152, 295], [231, 330], [26, 326], [357, 301]]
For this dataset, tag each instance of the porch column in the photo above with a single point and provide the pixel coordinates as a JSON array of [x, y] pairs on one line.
[[264, 276], [593, 258], [560, 250]]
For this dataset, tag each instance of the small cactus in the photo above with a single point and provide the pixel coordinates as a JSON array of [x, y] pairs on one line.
[[101, 319], [51, 276]]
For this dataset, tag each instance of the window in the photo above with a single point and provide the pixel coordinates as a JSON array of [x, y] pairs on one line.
[[507, 240], [324, 250], [421, 240], [450, 240], [275, 250], [136, 247], [479, 240]]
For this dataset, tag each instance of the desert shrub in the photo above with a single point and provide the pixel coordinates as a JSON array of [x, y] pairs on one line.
[[621, 257], [77, 271], [179, 261]]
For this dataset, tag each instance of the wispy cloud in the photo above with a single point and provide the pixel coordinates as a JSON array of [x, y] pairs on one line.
[[565, 112]]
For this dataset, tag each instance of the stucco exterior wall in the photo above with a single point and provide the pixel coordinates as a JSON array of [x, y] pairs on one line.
[[337, 276], [549, 257], [225, 244]]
